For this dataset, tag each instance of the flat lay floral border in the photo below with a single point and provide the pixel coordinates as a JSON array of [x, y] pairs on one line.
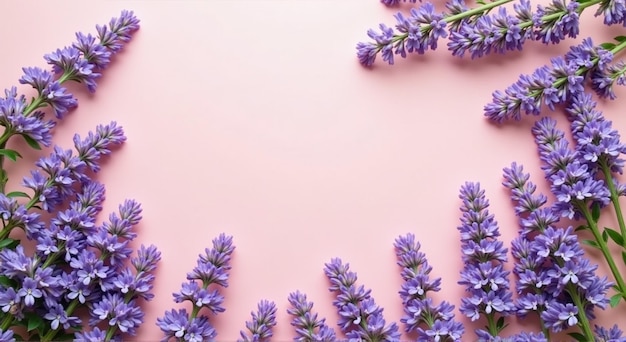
[[83, 282]]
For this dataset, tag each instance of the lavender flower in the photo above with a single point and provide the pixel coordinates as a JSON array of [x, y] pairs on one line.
[[613, 334], [211, 270], [596, 140], [498, 32], [420, 313], [6, 336], [34, 126], [471, 29], [483, 256], [307, 324], [391, 3], [556, 21], [603, 80], [262, 323], [553, 277], [613, 11], [571, 180], [359, 316]]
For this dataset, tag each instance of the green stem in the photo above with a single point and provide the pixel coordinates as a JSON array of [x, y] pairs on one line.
[[621, 287], [453, 18], [608, 177], [6, 322], [491, 325], [583, 320]]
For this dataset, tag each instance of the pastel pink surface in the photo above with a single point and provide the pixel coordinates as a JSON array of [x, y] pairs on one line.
[[255, 119]]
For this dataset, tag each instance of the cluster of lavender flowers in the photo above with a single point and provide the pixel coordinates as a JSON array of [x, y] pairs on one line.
[[80, 273], [211, 271], [554, 279], [430, 321], [477, 31]]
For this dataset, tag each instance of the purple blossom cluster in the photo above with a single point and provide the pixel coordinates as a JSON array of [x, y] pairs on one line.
[[306, 322], [550, 85], [431, 322], [78, 268], [391, 3], [262, 323], [554, 278], [483, 275], [476, 30], [360, 318], [76, 262], [202, 291], [570, 177]]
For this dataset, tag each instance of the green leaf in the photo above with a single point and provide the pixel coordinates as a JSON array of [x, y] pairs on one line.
[[18, 194], [591, 243], [578, 336], [581, 227], [615, 299], [620, 39], [500, 323], [31, 142], [9, 243], [605, 236], [607, 46], [595, 212], [7, 282], [34, 322], [11, 154], [615, 236], [624, 257]]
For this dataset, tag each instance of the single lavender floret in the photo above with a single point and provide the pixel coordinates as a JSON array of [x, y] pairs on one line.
[[420, 313], [6, 336], [306, 322], [359, 316], [614, 12], [614, 334], [260, 328]]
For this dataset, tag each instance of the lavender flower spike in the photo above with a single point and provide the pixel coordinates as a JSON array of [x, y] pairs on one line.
[[360, 317], [548, 85], [391, 3], [308, 326], [262, 323], [211, 271], [420, 313], [483, 275]]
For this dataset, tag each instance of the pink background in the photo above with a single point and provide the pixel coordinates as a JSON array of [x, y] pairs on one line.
[[254, 118]]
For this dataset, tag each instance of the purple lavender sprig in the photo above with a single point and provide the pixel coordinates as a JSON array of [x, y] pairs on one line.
[[391, 3], [260, 328], [550, 85], [211, 271], [360, 317], [430, 321], [483, 274], [76, 262], [309, 328], [554, 280], [82, 62], [474, 30]]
